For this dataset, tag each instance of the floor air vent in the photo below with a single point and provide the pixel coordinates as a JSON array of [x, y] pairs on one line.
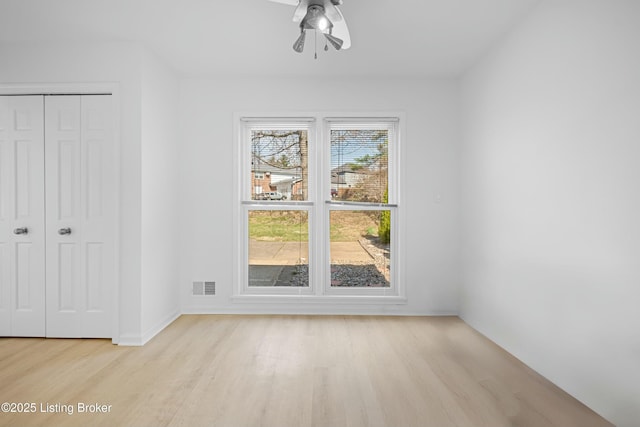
[[204, 288]]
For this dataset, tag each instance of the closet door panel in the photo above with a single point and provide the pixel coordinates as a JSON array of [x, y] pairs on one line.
[[22, 231], [98, 213], [79, 216], [5, 224], [5, 290], [63, 157]]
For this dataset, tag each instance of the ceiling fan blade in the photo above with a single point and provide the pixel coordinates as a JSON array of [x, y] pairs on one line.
[[341, 31], [332, 12], [301, 10], [289, 2]]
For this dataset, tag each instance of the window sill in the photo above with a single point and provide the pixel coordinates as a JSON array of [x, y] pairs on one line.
[[325, 299]]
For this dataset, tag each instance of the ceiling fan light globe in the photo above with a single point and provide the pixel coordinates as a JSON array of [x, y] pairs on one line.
[[323, 24], [298, 46], [335, 42]]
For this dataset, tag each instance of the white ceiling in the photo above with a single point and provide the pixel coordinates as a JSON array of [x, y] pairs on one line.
[[254, 37]]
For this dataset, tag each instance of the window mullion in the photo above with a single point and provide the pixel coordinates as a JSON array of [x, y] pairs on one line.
[[318, 259]]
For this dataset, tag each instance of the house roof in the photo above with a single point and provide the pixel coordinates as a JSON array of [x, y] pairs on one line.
[[290, 181], [347, 168], [264, 167]]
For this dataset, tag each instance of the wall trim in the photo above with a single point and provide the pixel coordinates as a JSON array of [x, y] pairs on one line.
[[134, 340], [315, 310], [130, 340], [358, 300], [58, 88], [159, 327]]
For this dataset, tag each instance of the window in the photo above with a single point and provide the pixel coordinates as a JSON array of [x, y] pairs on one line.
[[360, 215], [275, 247], [318, 207]]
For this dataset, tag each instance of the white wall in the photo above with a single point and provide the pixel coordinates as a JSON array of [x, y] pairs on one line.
[[551, 199], [207, 108], [159, 182], [98, 63]]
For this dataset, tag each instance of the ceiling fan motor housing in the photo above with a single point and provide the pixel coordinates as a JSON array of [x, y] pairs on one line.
[[316, 19]]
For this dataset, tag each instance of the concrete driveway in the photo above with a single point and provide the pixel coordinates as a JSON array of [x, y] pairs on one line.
[[293, 253]]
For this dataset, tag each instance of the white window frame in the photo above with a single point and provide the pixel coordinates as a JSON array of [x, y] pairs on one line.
[[318, 206]]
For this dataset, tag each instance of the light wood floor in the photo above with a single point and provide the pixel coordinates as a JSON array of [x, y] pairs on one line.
[[287, 371]]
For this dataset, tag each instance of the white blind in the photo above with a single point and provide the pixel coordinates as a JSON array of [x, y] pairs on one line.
[[279, 163], [359, 163]]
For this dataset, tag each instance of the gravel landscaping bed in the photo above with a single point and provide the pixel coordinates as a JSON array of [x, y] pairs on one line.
[[365, 275], [355, 275]]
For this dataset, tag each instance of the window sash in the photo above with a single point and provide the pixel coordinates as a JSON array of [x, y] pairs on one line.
[[276, 290], [393, 289], [390, 124], [249, 125]]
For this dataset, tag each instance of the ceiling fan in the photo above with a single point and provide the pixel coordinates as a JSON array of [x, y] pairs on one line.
[[322, 16]]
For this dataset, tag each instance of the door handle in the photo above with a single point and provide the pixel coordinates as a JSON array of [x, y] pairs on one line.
[[64, 231], [21, 230]]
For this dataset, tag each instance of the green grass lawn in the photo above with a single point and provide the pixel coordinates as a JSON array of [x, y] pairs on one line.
[[293, 226], [279, 226]]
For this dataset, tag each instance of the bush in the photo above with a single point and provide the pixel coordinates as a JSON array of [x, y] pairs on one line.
[[384, 229]]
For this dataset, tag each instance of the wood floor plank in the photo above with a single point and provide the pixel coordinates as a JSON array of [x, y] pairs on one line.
[[210, 370]]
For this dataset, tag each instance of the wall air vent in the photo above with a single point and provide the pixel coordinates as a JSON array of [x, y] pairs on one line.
[[198, 288], [204, 288], [209, 288]]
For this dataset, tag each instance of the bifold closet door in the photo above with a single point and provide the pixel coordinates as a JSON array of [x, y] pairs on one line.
[[80, 215], [22, 224]]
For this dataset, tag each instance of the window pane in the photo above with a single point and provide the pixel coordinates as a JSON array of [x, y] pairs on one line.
[[359, 165], [360, 248], [278, 248], [279, 165]]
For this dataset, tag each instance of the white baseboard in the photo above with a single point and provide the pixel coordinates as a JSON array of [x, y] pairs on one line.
[[130, 340], [332, 311], [140, 340]]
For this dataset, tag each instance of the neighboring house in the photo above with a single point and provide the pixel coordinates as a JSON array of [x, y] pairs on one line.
[[265, 177], [260, 182], [346, 177], [290, 188], [297, 189]]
